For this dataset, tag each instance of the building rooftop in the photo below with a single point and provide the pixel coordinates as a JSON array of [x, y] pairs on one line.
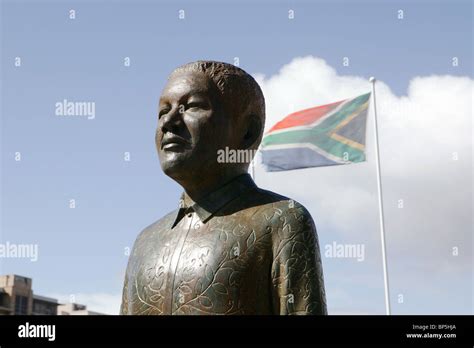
[[45, 299]]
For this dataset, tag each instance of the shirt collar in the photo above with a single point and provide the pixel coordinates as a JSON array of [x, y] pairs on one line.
[[206, 207]]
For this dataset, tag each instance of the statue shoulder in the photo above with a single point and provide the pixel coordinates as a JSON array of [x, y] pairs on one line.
[[284, 211], [152, 231]]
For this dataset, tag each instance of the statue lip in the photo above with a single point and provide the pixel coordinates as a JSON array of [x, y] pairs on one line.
[[169, 142]]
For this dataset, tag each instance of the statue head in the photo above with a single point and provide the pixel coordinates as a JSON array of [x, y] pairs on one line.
[[204, 108]]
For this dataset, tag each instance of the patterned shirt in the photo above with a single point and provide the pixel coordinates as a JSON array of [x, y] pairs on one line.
[[240, 250]]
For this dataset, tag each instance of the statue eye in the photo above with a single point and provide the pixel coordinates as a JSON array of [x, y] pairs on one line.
[[195, 105], [163, 112]]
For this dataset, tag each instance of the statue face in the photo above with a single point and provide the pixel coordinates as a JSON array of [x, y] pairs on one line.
[[191, 127]]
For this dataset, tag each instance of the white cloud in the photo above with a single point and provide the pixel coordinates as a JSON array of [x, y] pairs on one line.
[[419, 134]]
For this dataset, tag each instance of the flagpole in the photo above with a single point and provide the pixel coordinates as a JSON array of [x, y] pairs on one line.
[[253, 167], [381, 220]]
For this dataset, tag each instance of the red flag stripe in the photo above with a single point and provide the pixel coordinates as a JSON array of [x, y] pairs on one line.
[[304, 117]]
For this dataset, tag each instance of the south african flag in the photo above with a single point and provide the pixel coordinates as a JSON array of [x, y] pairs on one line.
[[321, 136]]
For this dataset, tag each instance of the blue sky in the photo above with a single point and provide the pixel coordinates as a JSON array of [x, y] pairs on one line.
[[81, 250]]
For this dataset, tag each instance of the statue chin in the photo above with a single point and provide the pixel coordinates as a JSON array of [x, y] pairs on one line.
[[179, 167], [174, 169]]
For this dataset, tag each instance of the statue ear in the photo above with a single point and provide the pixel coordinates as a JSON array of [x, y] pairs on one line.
[[254, 128]]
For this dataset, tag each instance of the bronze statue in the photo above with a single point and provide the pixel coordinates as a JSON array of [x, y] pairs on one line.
[[230, 247]]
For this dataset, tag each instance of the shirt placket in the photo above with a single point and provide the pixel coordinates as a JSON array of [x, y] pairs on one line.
[[185, 225]]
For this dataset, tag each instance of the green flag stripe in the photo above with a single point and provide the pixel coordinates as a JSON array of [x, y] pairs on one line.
[[322, 141]]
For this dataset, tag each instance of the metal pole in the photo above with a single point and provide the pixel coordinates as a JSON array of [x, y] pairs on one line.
[[381, 219], [253, 168]]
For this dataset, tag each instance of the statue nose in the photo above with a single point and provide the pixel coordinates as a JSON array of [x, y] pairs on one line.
[[171, 121]]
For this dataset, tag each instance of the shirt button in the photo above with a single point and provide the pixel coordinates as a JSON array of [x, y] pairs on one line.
[[197, 226]]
